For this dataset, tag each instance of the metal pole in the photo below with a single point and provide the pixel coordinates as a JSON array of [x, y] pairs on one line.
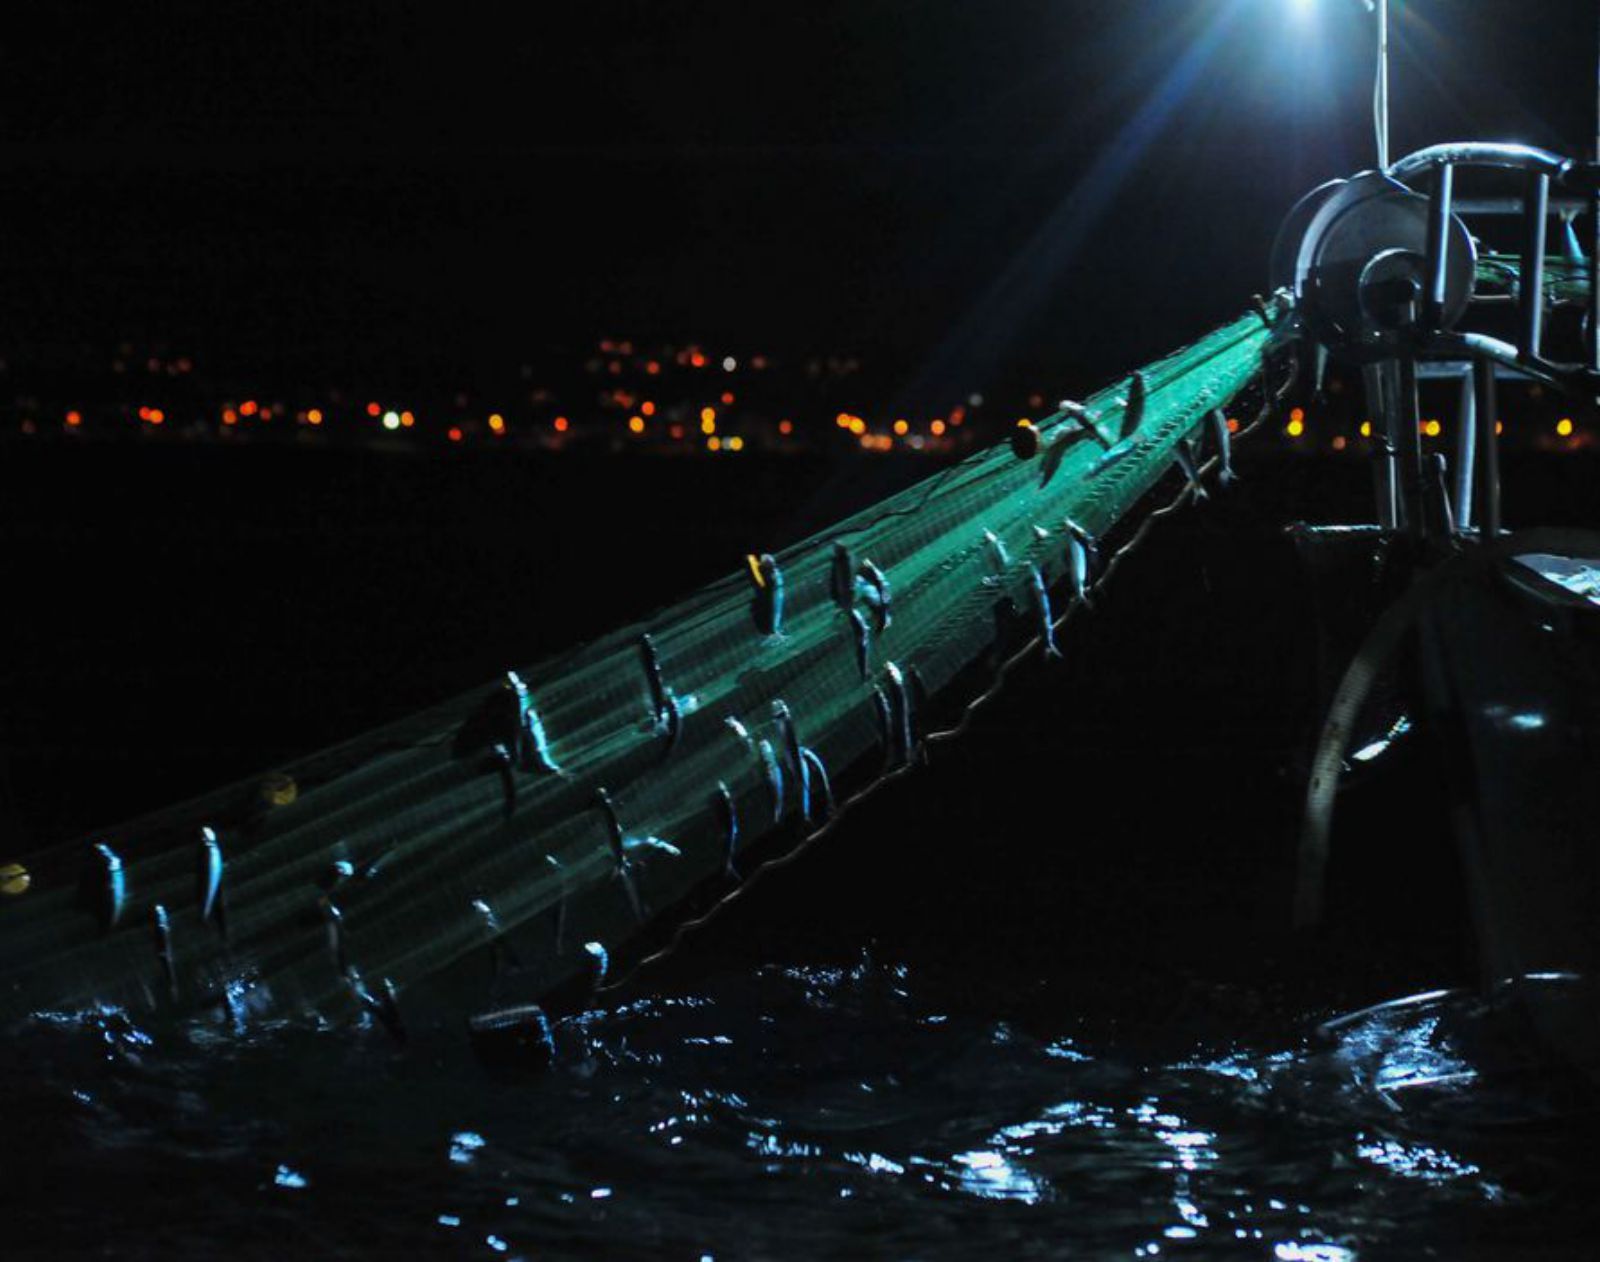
[[1466, 448], [1380, 394], [1594, 253], [1531, 277], [1406, 434], [1438, 258], [1488, 514], [1381, 106]]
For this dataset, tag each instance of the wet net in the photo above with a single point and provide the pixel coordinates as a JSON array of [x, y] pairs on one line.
[[562, 821]]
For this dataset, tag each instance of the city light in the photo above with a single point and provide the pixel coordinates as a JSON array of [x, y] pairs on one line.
[[676, 410]]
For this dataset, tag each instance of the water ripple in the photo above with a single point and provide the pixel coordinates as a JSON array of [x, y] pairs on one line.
[[791, 1112]]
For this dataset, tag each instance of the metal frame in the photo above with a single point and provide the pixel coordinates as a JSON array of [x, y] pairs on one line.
[[1411, 496]]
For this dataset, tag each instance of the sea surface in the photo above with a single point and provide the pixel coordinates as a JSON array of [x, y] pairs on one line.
[[793, 1112]]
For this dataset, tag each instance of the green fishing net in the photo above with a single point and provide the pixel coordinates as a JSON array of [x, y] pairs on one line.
[[549, 820]]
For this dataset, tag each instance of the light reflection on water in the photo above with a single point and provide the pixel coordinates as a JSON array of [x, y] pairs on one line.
[[792, 1113]]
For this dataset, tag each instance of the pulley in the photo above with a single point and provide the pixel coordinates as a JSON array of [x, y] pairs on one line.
[[1354, 254]]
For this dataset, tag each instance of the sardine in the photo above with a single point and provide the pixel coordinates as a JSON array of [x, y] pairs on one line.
[[599, 965], [335, 923], [793, 762], [668, 712], [210, 883], [113, 897], [500, 953], [1047, 626], [1133, 406], [656, 845], [900, 699], [1223, 437], [999, 558], [874, 587], [1078, 564], [529, 740], [385, 1005], [1113, 456], [768, 580], [774, 773], [1184, 454], [817, 774], [728, 812], [161, 927], [561, 905], [885, 709], [1081, 417], [863, 638], [614, 834], [842, 577], [619, 853], [505, 764]]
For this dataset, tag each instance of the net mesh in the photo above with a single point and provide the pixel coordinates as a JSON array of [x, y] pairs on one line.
[[573, 808]]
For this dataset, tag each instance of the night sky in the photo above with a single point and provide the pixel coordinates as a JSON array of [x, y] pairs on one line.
[[428, 193]]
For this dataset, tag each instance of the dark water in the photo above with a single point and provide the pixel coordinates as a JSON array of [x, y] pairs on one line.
[[1080, 1028], [790, 1112]]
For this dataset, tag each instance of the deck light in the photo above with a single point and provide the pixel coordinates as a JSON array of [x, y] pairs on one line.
[[1380, 91]]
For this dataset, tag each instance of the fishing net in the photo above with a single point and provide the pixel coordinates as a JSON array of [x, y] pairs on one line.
[[580, 804]]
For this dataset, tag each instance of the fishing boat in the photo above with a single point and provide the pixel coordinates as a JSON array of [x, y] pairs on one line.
[[1481, 639]]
